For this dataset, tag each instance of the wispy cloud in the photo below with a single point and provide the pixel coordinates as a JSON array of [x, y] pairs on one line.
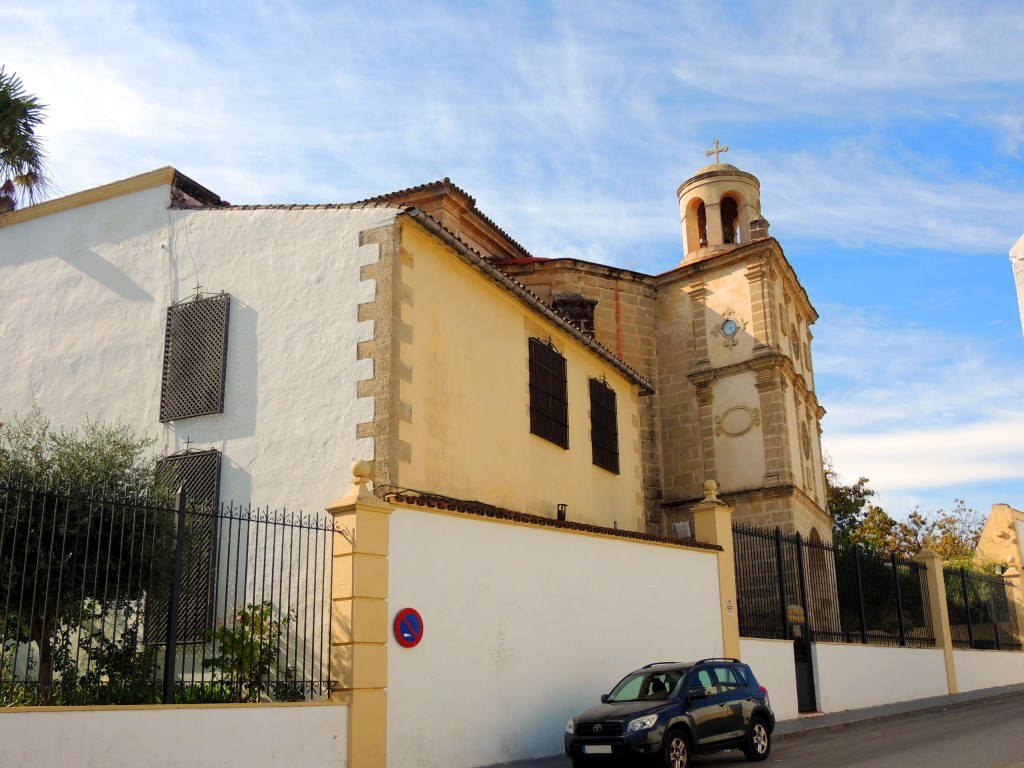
[[889, 125], [924, 415]]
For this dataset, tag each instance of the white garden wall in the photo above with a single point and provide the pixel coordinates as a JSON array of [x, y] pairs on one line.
[[525, 627], [85, 293], [258, 736], [853, 676], [987, 669], [772, 662]]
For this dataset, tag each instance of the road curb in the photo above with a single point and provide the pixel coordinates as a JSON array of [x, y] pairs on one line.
[[902, 713]]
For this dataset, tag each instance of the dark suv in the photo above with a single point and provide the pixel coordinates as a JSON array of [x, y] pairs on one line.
[[671, 711]]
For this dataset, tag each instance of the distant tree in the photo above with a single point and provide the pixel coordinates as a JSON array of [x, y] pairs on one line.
[[955, 533], [846, 503], [23, 175], [47, 544]]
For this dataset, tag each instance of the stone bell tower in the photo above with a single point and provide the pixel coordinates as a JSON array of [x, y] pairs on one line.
[[735, 321], [720, 207]]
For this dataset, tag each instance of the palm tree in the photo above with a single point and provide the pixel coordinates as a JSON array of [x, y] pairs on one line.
[[23, 174]]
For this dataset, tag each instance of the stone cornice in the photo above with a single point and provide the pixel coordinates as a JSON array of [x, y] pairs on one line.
[[753, 494], [576, 266]]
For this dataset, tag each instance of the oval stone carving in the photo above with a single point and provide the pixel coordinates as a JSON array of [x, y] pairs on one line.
[[737, 421]]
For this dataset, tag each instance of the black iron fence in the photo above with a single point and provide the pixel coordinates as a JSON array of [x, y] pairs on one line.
[[121, 598], [789, 587], [981, 610]]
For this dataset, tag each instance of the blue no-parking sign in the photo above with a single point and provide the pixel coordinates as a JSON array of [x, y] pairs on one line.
[[408, 627]]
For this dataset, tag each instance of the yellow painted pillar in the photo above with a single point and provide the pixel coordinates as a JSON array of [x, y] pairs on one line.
[[936, 586], [712, 524], [359, 615], [1013, 575]]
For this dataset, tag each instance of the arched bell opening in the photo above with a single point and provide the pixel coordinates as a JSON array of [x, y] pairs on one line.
[[696, 225], [731, 230]]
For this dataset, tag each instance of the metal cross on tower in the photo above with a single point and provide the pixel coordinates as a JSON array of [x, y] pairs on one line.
[[716, 152]]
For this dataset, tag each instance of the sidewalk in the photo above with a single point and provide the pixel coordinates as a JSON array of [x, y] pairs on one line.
[[814, 722], [806, 724]]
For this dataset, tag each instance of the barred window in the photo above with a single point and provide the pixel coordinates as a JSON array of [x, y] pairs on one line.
[[549, 401], [604, 426], [199, 473], [195, 357]]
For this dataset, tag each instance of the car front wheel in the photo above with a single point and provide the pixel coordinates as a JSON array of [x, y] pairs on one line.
[[758, 742], [675, 750]]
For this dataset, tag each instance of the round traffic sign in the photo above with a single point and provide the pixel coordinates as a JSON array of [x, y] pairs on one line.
[[408, 627]]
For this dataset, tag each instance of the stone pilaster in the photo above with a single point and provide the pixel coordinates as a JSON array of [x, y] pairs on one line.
[[1016, 579], [712, 524], [936, 587], [359, 616]]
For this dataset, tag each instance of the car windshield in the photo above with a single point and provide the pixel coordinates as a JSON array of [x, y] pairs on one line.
[[646, 684]]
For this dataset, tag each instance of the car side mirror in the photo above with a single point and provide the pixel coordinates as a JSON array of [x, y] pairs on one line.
[[698, 692], [604, 698]]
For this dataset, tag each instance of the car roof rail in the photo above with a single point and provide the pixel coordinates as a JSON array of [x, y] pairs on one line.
[[657, 664], [719, 658]]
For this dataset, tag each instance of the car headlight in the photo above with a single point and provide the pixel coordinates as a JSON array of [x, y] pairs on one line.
[[570, 727], [642, 723]]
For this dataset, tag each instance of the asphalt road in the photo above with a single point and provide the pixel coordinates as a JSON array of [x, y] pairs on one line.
[[982, 734]]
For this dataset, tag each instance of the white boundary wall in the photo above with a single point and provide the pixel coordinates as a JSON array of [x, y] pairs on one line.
[[525, 627], [83, 311], [256, 736], [854, 676], [772, 662], [987, 669]]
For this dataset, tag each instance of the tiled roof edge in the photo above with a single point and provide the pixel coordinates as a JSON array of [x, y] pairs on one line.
[[479, 509], [524, 293]]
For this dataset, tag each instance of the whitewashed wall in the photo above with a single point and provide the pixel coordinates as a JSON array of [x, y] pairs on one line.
[[82, 320], [987, 669], [772, 662], [853, 676], [264, 736], [525, 628]]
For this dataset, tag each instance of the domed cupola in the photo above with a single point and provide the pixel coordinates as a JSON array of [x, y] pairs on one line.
[[717, 206]]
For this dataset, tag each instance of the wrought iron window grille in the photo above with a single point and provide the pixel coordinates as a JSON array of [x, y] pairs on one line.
[[199, 473], [195, 357], [549, 399], [604, 427]]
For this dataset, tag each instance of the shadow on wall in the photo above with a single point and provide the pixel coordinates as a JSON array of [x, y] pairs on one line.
[[241, 393]]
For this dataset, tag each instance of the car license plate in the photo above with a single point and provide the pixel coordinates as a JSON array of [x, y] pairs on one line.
[[597, 749]]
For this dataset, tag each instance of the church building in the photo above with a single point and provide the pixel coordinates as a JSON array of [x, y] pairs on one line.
[[725, 338], [277, 343]]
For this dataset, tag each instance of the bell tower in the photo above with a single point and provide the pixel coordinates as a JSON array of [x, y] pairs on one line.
[[720, 208]]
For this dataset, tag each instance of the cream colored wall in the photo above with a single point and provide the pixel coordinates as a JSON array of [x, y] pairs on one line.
[[1001, 537], [466, 419], [739, 454], [728, 295]]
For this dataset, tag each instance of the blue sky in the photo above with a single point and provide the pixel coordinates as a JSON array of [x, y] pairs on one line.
[[887, 137]]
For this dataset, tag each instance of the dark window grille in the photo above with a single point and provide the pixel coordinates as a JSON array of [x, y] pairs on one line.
[[604, 426], [549, 400], [195, 358], [199, 472]]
